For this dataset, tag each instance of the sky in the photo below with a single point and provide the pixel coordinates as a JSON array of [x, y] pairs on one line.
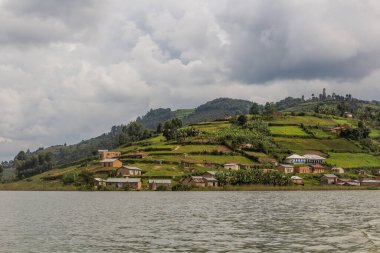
[[69, 70]]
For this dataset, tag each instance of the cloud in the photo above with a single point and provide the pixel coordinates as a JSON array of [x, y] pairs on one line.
[[69, 71]]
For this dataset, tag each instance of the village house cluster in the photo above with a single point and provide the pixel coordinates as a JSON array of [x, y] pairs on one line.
[[125, 174]]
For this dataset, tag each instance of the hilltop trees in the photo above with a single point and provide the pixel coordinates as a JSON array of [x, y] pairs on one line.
[[28, 164], [134, 131], [170, 128]]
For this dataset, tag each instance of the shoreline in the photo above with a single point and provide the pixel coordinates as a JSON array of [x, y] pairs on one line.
[[44, 188]]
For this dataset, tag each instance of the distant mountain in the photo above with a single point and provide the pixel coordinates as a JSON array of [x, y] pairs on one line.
[[216, 109], [212, 110]]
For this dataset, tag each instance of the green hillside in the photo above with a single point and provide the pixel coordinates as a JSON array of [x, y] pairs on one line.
[[216, 143]]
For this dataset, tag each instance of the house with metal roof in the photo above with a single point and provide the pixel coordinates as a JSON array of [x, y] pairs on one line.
[[297, 180], [285, 168], [231, 166], [156, 183], [129, 171], [111, 163], [329, 179], [134, 183]]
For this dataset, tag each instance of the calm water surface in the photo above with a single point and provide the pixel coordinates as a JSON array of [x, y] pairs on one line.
[[343, 221]]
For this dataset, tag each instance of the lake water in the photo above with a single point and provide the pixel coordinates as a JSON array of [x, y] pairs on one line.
[[334, 221]]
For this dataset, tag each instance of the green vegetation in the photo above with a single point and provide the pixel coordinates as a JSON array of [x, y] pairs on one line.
[[351, 160], [287, 130], [297, 144], [375, 133]]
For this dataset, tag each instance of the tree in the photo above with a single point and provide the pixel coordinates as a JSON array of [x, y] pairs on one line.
[[170, 128], [255, 109], [1, 171], [269, 109], [159, 128], [241, 120]]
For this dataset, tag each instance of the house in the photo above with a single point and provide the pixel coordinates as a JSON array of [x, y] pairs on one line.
[[348, 115], [293, 159], [210, 173], [297, 180], [155, 183], [129, 171], [231, 166], [116, 182], [314, 159], [200, 181], [347, 182], [111, 163], [370, 182], [337, 170], [133, 183], [329, 179], [211, 181], [317, 169], [99, 182], [285, 168], [197, 181], [302, 169], [105, 154]]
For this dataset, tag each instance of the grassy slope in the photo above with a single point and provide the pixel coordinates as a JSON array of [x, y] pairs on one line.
[[172, 154]]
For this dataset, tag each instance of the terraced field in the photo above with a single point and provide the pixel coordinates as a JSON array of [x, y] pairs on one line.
[[299, 144], [288, 130], [306, 120], [350, 160]]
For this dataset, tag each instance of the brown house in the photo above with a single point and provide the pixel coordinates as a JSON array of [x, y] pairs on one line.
[[317, 169], [133, 183], [129, 171], [197, 181], [154, 183], [210, 173], [302, 169], [285, 168], [105, 154], [200, 181], [111, 163], [329, 179]]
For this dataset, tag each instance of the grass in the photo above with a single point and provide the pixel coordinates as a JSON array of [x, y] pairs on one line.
[[201, 148], [322, 134], [287, 130], [306, 120], [375, 133], [350, 160], [316, 144]]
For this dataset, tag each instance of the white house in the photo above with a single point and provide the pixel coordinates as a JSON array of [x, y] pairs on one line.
[[306, 159], [231, 166], [314, 159], [337, 170]]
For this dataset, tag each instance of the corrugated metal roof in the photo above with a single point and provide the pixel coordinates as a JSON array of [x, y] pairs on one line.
[[117, 180], [159, 181], [133, 180], [132, 168], [108, 160], [314, 157], [330, 175], [295, 156]]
